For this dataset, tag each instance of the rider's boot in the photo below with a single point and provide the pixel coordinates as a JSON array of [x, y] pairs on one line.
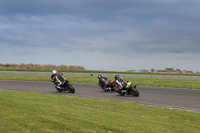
[[109, 89], [57, 87]]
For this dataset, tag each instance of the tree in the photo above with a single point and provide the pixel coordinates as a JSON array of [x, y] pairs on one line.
[[152, 70]]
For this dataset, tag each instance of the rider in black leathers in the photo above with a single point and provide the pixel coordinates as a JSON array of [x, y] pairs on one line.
[[120, 82], [57, 79], [104, 83]]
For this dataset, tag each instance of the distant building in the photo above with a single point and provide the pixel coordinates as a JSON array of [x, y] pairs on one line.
[[197, 72], [178, 70], [168, 70], [187, 72], [131, 71], [144, 71]]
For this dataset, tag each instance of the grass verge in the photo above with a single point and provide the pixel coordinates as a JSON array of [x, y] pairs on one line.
[[96, 71], [140, 81], [31, 112]]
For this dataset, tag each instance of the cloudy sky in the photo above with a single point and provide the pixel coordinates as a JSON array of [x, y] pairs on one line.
[[114, 35]]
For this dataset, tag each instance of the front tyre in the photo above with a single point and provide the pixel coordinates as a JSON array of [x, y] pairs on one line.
[[135, 92], [71, 89]]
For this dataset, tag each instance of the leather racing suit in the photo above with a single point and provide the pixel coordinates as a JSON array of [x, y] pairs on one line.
[[104, 83], [57, 79], [121, 83]]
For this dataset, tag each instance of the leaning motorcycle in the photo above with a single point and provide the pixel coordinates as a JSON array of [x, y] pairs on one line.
[[107, 85], [65, 86], [128, 89]]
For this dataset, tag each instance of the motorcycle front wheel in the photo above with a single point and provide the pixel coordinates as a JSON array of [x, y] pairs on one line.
[[135, 92], [71, 89]]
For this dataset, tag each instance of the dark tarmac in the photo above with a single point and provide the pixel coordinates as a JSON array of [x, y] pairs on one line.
[[185, 99]]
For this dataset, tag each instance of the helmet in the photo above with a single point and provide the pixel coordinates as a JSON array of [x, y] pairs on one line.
[[54, 72], [99, 76], [116, 77]]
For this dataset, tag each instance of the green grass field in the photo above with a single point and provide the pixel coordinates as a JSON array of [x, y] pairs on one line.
[[155, 82], [95, 71], [31, 112]]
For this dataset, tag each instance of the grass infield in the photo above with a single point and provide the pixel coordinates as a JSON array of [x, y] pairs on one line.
[[95, 71], [139, 81], [32, 112]]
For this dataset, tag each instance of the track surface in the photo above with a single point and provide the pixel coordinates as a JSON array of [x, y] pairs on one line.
[[156, 96]]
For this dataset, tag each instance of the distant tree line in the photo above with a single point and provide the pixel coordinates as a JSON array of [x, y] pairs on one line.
[[40, 67]]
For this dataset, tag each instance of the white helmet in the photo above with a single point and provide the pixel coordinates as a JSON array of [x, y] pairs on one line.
[[54, 72]]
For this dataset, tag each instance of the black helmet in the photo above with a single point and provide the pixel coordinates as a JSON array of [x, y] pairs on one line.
[[99, 76], [116, 77]]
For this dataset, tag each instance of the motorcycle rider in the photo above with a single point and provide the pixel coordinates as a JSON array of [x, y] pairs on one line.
[[120, 82], [57, 79], [103, 82]]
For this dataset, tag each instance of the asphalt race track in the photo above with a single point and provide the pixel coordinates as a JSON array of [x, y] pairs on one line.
[[156, 96]]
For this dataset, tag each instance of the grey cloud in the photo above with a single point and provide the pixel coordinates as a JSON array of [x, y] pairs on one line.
[[23, 50], [93, 9], [154, 26]]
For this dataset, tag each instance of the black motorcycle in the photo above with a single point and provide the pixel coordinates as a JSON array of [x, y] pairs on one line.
[[65, 86], [107, 85], [128, 89]]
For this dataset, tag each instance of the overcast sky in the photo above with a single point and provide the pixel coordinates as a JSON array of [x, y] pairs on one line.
[[114, 35]]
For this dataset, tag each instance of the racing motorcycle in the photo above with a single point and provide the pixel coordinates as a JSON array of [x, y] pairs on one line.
[[127, 88], [108, 85], [65, 86]]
